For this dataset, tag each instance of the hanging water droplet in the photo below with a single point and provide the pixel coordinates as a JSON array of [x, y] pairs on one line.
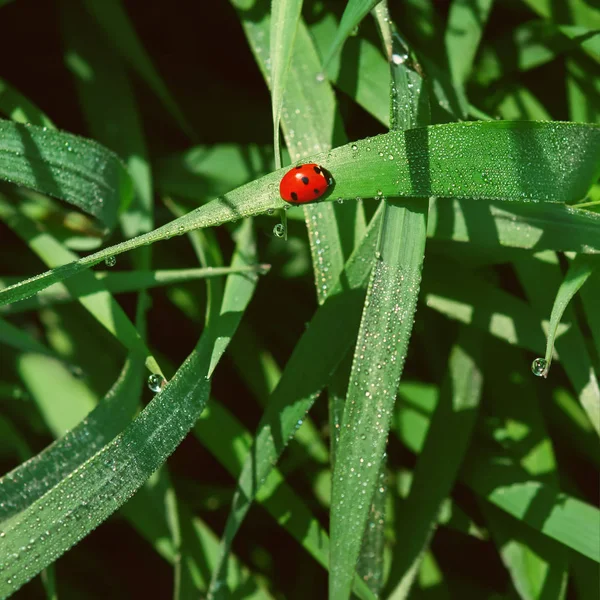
[[340, 201], [270, 211], [539, 367], [110, 261], [354, 31], [156, 382], [279, 230], [399, 59], [320, 77]]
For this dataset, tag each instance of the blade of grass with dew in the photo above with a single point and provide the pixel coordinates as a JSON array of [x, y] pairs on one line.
[[92, 295], [381, 348], [438, 463], [308, 123], [118, 29], [65, 166], [483, 163], [579, 271], [121, 282], [18, 108], [533, 227], [538, 274], [496, 478], [29, 481], [77, 504], [285, 15], [354, 13], [16, 338], [325, 341]]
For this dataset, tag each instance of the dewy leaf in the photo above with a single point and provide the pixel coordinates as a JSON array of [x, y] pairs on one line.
[[516, 161], [324, 343], [354, 13], [66, 166], [284, 23], [94, 490]]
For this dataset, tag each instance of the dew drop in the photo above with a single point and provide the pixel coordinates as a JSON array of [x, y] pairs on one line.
[[539, 367], [110, 261], [354, 147], [279, 230], [156, 382], [320, 77]]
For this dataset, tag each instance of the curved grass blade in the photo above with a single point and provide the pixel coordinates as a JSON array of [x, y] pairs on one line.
[[92, 492], [285, 15], [579, 271], [324, 343], [354, 13], [18, 339], [121, 282], [589, 295], [65, 166], [438, 463], [478, 160], [111, 16], [92, 295], [14, 105]]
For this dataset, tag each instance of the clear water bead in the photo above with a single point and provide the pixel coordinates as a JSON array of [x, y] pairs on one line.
[[539, 367], [110, 261], [279, 230], [156, 382]]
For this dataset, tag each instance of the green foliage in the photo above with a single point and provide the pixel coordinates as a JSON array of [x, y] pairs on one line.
[[478, 206]]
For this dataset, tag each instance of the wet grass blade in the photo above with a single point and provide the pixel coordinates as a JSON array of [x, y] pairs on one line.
[[65, 166], [111, 16], [478, 160], [326, 340], [448, 437], [285, 15], [91, 493]]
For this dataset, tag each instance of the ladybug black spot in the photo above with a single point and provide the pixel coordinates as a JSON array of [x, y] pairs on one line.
[[299, 167], [294, 196], [316, 191], [317, 170], [305, 180]]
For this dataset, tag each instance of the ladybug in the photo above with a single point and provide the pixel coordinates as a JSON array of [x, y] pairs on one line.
[[304, 183]]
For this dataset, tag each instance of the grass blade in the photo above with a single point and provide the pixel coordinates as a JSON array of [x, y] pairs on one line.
[[18, 108], [65, 166]]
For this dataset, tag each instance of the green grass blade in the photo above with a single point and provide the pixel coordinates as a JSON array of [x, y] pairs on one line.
[[285, 15], [354, 13], [579, 271], [79, 503], [330, 334], [448, 437], [18, 108], [121, 282], [111, 16], [65, 166], [589, 295], [20, 340], [483, 163], [92, 295]]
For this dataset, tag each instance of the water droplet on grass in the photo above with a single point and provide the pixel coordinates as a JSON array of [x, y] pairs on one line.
[[279, 230], [110, 261], [539, 367], [156, 382]]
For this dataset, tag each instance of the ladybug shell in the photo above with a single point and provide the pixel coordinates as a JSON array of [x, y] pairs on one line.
[[304, 183]]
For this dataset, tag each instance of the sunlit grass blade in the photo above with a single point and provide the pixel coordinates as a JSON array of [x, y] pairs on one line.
[[579, 271], [284, 23], [81, 501], [330, 333], [120, 282], [90, 291], [482, 164], [354, 13], [16, 338], [18, 108], [438, 463], [118, 29], [65, 166], [579, 12]]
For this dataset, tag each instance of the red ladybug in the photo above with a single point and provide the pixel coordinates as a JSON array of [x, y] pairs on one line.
[[304, 183]]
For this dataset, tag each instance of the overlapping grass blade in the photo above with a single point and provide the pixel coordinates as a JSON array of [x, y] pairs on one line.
[[118, 29], [354, 13], [328, 337], [65, 166], [16, 338], [479, 160], [88, 495], [20, 109], [448, 437]]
